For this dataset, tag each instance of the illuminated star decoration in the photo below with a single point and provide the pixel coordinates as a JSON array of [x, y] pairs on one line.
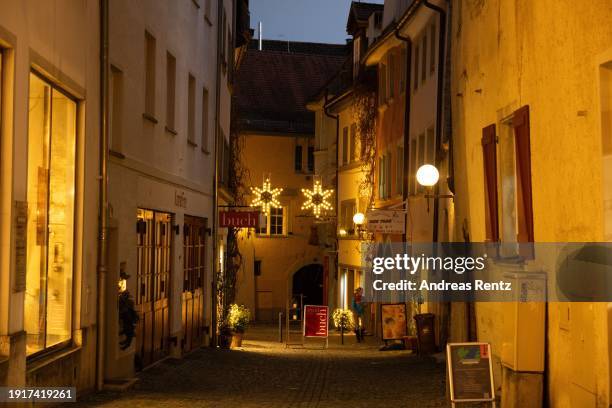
[[317, 199], [265, 197]]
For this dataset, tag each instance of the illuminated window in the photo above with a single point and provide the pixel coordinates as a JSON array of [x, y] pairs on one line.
[[276, 221], [274, 224], [50, 194]]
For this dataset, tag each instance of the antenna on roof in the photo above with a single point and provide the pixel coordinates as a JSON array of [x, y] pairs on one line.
[[260, 36]]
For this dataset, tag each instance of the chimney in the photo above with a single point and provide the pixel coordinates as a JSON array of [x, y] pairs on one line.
[[260, 36]]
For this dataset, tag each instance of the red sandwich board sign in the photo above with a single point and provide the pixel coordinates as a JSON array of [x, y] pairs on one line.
[[316, 321]]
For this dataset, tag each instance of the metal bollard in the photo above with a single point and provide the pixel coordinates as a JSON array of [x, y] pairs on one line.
[[280, 327]]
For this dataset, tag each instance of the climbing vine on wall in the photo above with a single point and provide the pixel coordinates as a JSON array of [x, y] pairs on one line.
[[365, 112], [237, 174]]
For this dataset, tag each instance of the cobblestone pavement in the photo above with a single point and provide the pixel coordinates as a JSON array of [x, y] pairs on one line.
[[263, 373]]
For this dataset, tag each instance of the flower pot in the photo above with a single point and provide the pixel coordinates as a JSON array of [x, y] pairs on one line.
[[225, 340], [237, 340]]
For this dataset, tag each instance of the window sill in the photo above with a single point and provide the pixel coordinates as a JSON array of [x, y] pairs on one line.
[[191, 143], [116, 154], [350, 166], [150, 118], [170, 130], [51, 358]]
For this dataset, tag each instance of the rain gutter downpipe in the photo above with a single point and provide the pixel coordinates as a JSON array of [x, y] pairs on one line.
[[441, 64], [102, 194], [407, 108], [337, 119], [213, 328]]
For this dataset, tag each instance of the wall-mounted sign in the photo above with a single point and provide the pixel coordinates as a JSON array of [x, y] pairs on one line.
[[386, 221], [239, 219], [180, 200], [316, 320], [393, 320], [470, 372]]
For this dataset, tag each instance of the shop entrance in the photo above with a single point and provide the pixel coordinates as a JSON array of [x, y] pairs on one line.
[[194, 274], [308, 282], [152, 285]]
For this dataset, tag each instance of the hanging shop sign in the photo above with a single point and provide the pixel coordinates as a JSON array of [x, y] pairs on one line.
[[470, 372], [316, 320], [386, 221], [239, 219]]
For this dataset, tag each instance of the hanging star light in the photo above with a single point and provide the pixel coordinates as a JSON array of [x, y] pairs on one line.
[[317, 199], [266, 196]]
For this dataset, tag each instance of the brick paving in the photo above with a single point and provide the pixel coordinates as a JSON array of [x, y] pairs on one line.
[[264, 373]]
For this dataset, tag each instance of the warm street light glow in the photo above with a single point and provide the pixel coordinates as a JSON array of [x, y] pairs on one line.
[[317, 199], [266, 196], [342, 232], [359, 218], [427, 175]]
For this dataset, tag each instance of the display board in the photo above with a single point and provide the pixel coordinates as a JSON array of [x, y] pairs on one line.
[[470, 372], [393, 320]]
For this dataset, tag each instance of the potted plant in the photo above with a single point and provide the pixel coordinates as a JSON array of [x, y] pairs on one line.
[[225, 335], [343, 321], [238, 319]]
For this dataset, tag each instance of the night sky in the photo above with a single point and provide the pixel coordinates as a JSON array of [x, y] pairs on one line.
[[302, 20]]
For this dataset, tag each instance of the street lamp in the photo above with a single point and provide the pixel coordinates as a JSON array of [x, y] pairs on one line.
[[428, 175], [359, 218]]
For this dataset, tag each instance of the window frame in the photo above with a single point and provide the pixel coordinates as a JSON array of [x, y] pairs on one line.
[[150, 65], [267, 230], [73, 288], [191, 109], [170, 92]]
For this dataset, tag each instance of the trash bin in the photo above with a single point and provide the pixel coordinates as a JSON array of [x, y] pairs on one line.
[[426, 334]]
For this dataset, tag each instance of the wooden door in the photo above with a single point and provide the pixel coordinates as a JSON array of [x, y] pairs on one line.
[[152, 280], [194, 275]]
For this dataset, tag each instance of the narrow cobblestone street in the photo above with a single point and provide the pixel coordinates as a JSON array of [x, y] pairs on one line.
[[265, 374]]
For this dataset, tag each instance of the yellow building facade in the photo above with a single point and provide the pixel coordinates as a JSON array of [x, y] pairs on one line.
[[544, 67]]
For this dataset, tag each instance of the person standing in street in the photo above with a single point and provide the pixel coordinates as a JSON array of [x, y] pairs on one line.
[[358, 309]]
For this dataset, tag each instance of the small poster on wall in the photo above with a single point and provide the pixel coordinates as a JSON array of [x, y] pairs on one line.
[[394, 323]]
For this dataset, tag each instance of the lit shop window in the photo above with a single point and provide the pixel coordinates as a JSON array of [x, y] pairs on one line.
[[50, 193]]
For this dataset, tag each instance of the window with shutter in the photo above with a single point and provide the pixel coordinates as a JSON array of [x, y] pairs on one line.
[[489, 151], [524, 204]]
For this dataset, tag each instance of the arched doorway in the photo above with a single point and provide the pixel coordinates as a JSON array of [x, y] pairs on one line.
[[308, 282]]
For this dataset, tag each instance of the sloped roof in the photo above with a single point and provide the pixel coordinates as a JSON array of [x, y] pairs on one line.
[[359, 14], [273, 86]]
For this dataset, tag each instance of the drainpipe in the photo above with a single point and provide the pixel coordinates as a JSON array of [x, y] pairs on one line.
[[103, 193], [407, 109], [215, 229], [441, 65], [337, 119]]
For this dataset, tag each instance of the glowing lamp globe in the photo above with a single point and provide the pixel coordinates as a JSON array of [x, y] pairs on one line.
[[358, 218], [427, 175]]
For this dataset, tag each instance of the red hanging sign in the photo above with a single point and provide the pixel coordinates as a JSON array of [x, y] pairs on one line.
[[239, 219], [315, 321]]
